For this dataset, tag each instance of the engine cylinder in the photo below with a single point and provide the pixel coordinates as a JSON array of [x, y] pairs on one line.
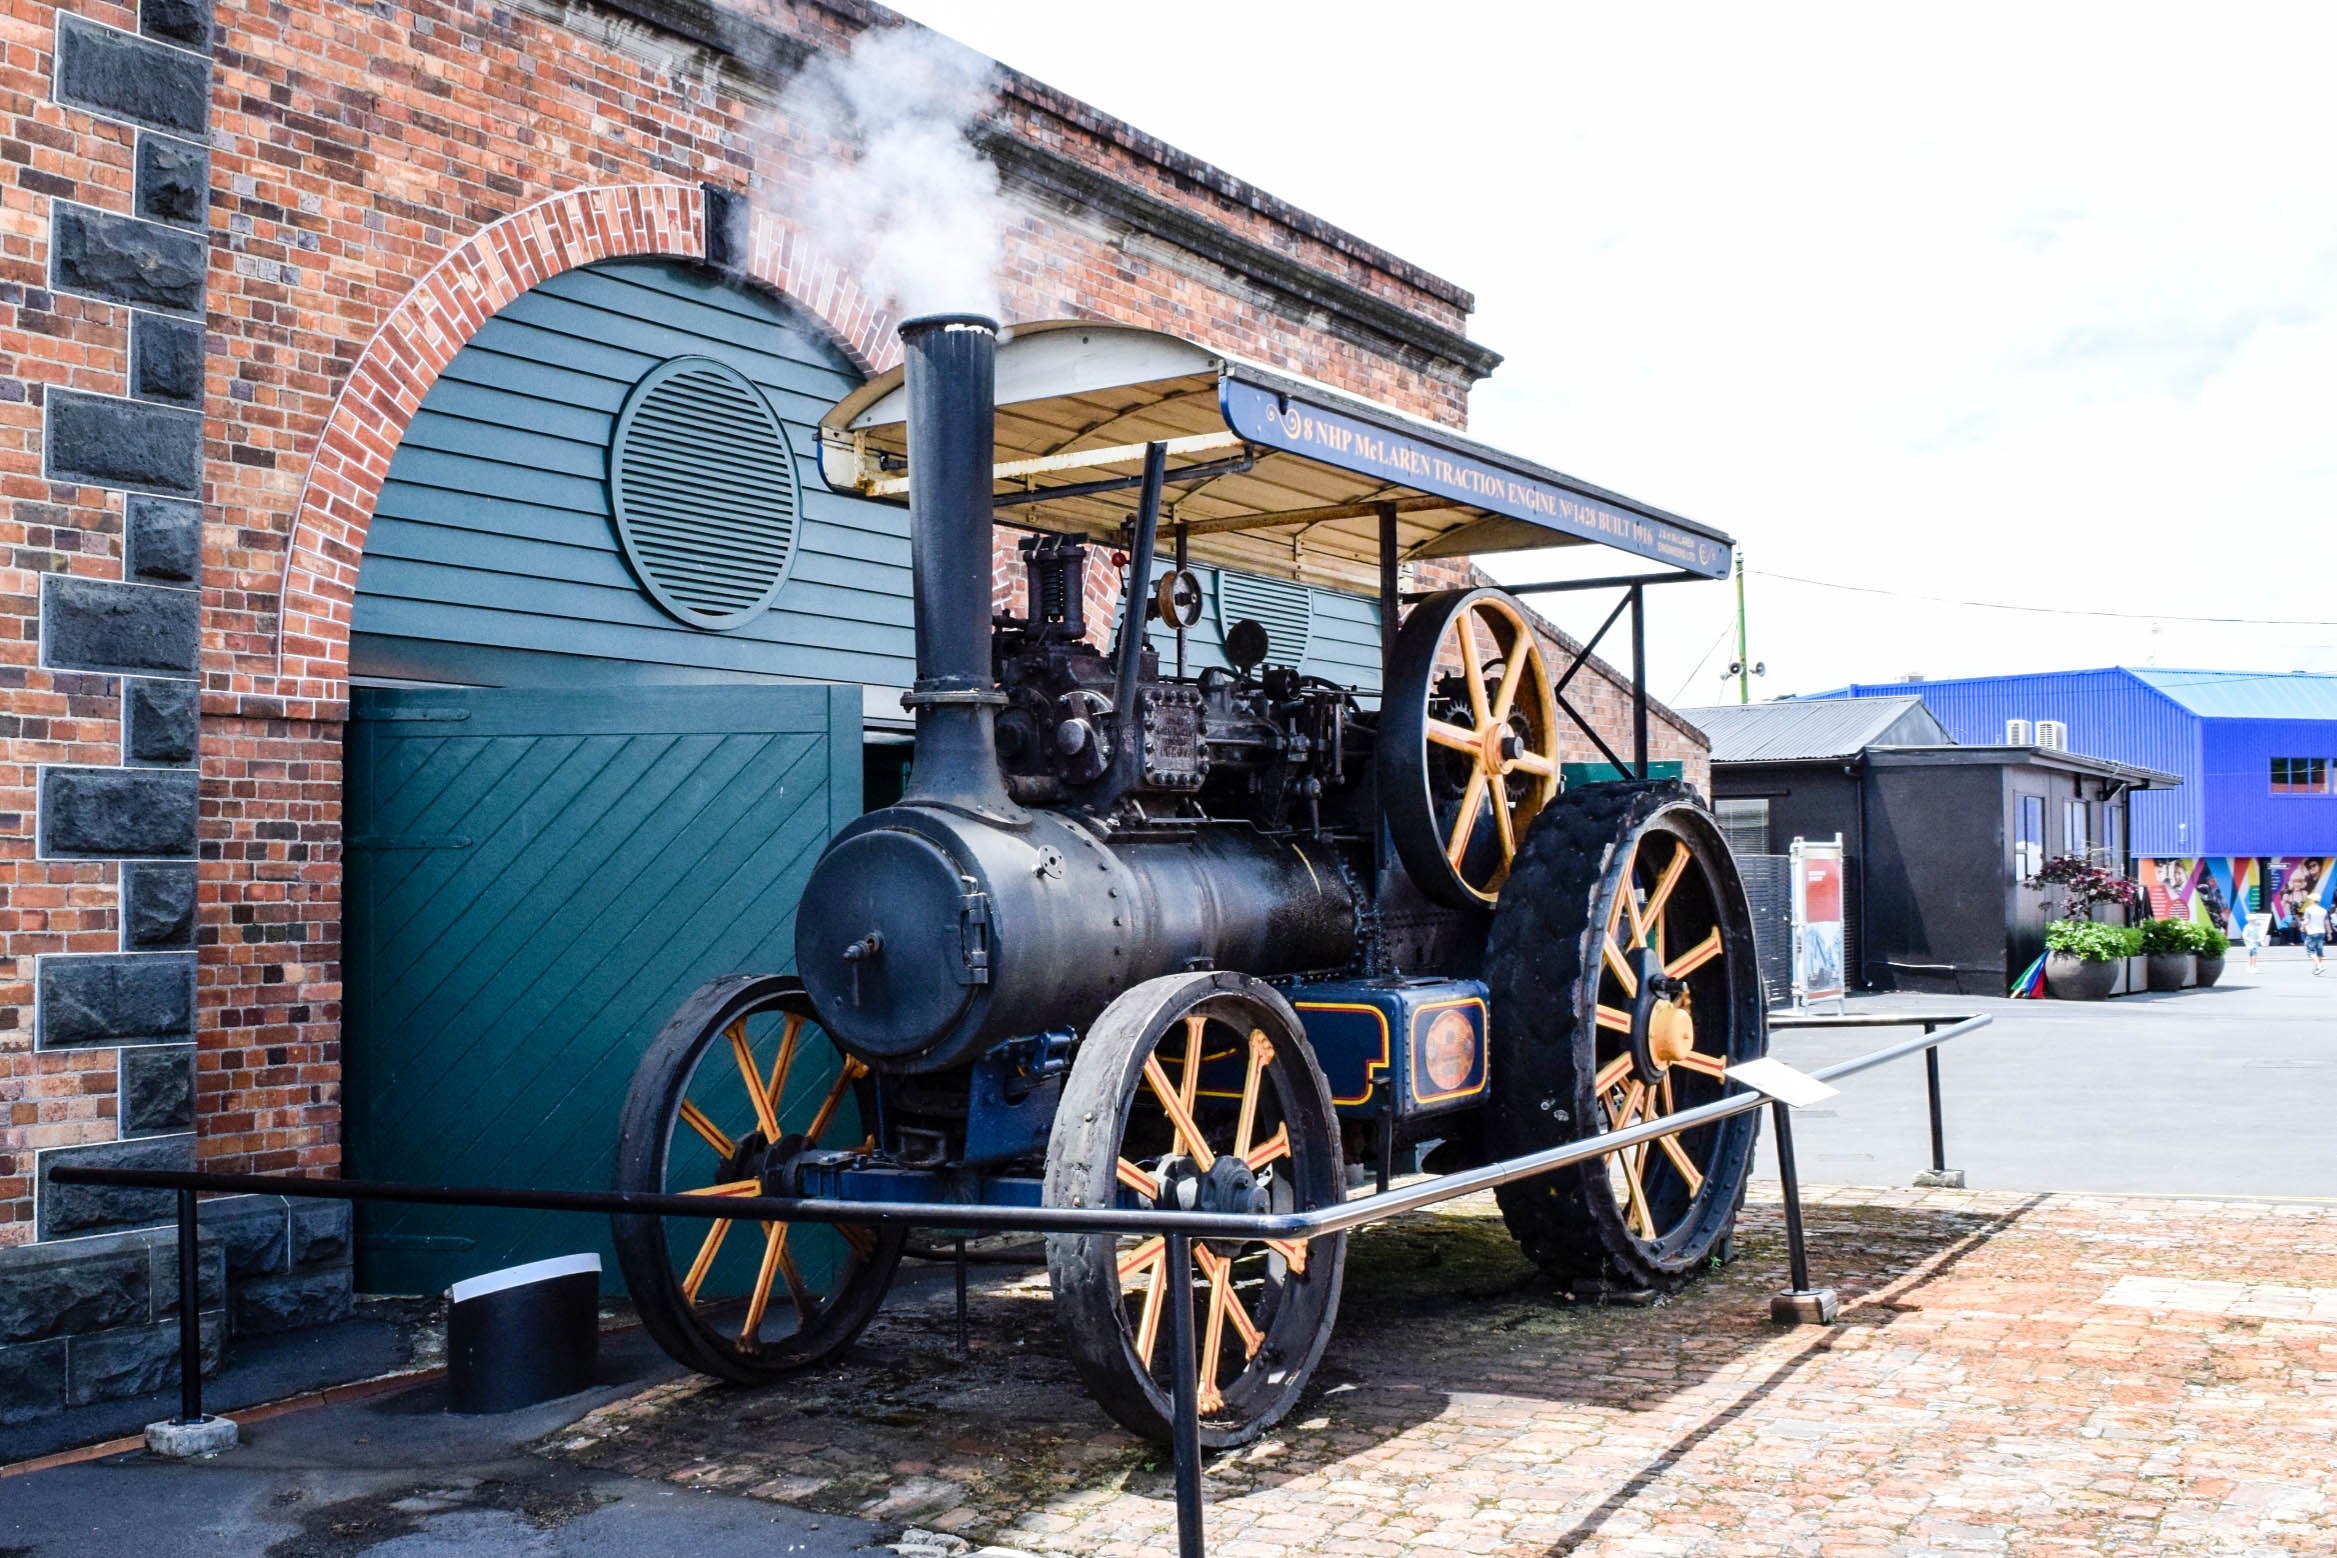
[[927, 934]]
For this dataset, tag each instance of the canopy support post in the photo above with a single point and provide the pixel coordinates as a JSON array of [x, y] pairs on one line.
[[1639, 679]]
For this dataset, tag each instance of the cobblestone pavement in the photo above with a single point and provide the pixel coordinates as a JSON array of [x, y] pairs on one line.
[[2052, 1374]]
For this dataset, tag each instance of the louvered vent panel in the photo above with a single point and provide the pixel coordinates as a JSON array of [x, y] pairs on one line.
[[704, 490], [1283, 609]]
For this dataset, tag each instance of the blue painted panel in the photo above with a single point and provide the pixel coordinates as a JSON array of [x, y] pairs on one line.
[[2244, 817], [493, 530]]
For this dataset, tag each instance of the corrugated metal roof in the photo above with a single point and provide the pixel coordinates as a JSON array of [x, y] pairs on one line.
[[2247, 694], [1799, 729]]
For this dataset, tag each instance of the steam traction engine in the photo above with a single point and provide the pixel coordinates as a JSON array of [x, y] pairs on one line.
[[1144, 939]]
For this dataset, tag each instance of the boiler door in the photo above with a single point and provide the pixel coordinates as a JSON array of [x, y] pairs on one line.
[[883, 945]]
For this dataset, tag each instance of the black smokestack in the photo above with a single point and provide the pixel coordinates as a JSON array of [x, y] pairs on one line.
[[951, 363]]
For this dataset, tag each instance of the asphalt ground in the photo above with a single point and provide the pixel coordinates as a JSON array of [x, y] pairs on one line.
[[2229, 1091]]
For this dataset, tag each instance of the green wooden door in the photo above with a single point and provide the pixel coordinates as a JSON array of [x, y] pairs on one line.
[[535, 879]]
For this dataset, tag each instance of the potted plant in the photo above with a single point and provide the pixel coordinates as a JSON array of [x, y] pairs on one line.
[[2208, 945], [2167, 944], [2081, 958]]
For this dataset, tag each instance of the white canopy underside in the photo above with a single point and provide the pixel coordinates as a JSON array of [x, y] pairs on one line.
[[1078, 402]]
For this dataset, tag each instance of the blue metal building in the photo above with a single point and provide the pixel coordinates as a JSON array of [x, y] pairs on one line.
[[2257, 811]]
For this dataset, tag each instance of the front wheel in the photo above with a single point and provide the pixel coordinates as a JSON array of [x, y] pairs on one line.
[[741, 1082], [1196, 1092]]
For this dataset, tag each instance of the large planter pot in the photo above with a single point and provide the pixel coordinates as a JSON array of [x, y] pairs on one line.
[[2210, 969], [2170, 970], [2069, 977]]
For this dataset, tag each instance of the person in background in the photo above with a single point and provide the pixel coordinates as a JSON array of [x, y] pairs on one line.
[[2254, 930], [2313, 920], [2210, 897]]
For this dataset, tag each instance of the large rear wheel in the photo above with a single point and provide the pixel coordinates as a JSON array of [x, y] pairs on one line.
[[1624, 985]]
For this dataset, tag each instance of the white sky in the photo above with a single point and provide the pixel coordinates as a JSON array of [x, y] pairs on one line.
[[2027, 304]]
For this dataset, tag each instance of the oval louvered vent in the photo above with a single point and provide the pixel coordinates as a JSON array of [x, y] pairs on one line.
[[704, 492], [1285, 610]]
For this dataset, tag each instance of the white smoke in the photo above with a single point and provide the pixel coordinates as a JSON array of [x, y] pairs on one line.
[[897, 192]]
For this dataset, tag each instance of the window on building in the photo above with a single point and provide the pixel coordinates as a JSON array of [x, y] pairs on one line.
[[2076, 828], [1745, 824], [2028, 847], [2114, 835], [2300, 776]]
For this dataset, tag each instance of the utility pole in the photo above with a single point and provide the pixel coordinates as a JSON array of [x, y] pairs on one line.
[[1744, 660]]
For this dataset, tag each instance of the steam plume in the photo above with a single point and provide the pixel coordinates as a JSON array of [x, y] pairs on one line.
[[901, 195]]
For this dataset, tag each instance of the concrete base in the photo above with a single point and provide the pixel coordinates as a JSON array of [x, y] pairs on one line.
[[1818, 1306], [1940, 1179], [203, 1436]]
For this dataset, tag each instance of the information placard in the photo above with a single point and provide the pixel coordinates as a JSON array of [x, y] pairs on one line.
[[1818, 972]]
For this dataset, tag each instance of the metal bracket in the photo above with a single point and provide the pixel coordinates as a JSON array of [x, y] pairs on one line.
[[973, 934]]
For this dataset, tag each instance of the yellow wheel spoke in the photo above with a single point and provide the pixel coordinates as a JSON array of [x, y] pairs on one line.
[[695, 1118], [1135, 1178], [737, 1034], [799, 1292], [863, 1242], [1142, 1256], [1473, 667], [774, 1242], [1189, 1085], [1172, 1104], [1293, 1251], [1614, 1071], [1504, 825], [1213, 1330], [1148, 1321], [1615, 1021], [696, 1278], [1444, 734], [1622, 893], [1664, 885], [1695, 957], [1261, 1052], [777, 1087], [735, 1187], [1465, 819], [1709, 1065], [1680, 1160], [1534, 763], [852, 1072], [1265, 1152], [1221, 1279], [1511, 673], [1619, 965]]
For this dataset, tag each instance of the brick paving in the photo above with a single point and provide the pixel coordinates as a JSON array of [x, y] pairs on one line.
[[2054, 1374]]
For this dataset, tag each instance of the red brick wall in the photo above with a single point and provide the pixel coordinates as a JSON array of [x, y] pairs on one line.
[[47, 340]]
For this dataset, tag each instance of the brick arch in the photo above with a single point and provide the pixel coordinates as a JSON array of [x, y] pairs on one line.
[[317, 594]]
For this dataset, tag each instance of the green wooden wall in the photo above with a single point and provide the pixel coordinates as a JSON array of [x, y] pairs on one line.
[[492, 544], [536, 879]]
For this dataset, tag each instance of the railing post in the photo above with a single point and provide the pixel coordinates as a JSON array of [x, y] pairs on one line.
[[190, 1315], [1939, 1176], [1799, 1304], [1185, 1397], [193, 1432]]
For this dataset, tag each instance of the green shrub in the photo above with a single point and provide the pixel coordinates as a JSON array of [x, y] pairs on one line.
[[2208, 942], [2096, 943], [2160, 937]]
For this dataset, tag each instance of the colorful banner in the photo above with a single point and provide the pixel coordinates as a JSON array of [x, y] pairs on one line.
[[2221, 890]]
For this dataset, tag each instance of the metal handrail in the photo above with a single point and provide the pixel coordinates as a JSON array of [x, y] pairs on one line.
[[1178, 1229]]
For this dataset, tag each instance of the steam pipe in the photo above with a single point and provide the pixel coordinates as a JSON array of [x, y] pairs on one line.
[[950, 361], [1127, 718]]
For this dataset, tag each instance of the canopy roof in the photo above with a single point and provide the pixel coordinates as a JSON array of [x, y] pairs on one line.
[[1280, 475]]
